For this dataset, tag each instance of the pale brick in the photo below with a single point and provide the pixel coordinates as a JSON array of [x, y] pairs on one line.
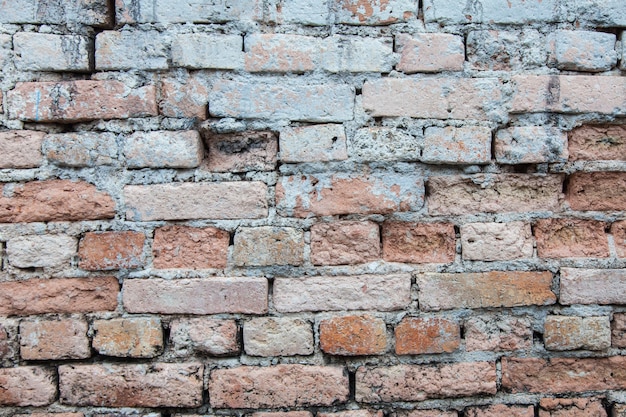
[[498, 333], [163, 149], [135, 49], [498, 410], [374, 12], [27, 385], [54, 415], [457, 145], [344, 242], [21, 149], [618, 330], [54, 339], [80, 149], [353, 336], [435, 98], [203, 50], [571, 407], [9, 345], [496, 241], [592, 286], [190, 247], [277, 386], [530, 145], [201, 296], [597, 142], [313, 143], [358, 54], [597, 191], [267, 245], [485, 289], [430, 52], [332, 194], [619, 410], [494, 193], [571, 333], [600, 13], [310, 103], [154, 385], [353, 413], [241, 152], [361, 292], [579, 50], [283, 414], [305, 12], [135, 337], [226, 200], [283, 53], [417, 336], [206, 336], [175, 11], [6, 51], [426, 413], [420, 382], [48, 52], [41, 251], [111, 250], [79, 101], [187, 97], [618, 230], [383, 143], [447, 12], [277, 336], [499, 50], [87, 12], [418, 242], [571, 238]]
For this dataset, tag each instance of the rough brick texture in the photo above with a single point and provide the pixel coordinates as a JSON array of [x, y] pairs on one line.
[[341, 243], [597, 191], [27, 386], [597, 142], [280, 336], [260, 246], [418, 242], [190, 247], [570, 333], [415, 336], [21, 149], [592, 286], [54, 339], [204, 336], [353, 335], [498, 333], [111, 250], [132, 337], [566, 238]]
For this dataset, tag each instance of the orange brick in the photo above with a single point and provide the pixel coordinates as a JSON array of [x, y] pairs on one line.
[[571, 238], [353, 335], [54, 339], [597, 191], [416, 336], [418, 242], [344, 242], [597, 142], [111, 250], [190, 247], [128, 337]]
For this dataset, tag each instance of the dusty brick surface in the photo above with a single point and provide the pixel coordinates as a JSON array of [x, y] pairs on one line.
[[341, 243], [325, 142], [190, 247], [353, 335], [41, 251], [54, 339], [501, 410], [370, 12], [574, 407], [278, 336], [580, 50], [49, 52], [130, 49], [426, 413], [240, 152], [498, 333], [530, 145], [203, 50], [571, 238], [261, 246], [496, 241], [27, 386], [592, 286], [570, 333], [597, 191], [21, 149], [34, 11], [457, 145], [618, 330], [416, 336], [81, 149], [128, 337], [184, 98], [163, 149], [418, 242], [430, 52], [203, 335], [111, 250], [385, 144], [597, 142]]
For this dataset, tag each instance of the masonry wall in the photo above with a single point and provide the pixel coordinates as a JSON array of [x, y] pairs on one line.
[[298, 208]]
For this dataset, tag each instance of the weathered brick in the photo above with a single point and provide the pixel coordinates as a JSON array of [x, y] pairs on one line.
[[80, 149], [322, 143], [496, 241], [58, 295], [619, 410], [600, 13], [9, 345], [498, 333], [283, 414], [618, 330], [154, 385], [490, 11], [580, 50], [430, 52], [571, 407], [21, 149], [277, 336], [353, 336], [134, 49], [277, 386], [51, 415], [418, 242], [332, 194], [283, 53], [434, 98], [571, 238], [173, 11], [344, 242], [420, 382], [417, 336], [457, 145], [111, 250], [364, 292], [190, 247], [597, 142], [241, 152], [40, 251], [309, 103], [225, 200], [618, 230], [497, 410], [43, 339], [48, 52], [597, 191], [54, 200], [426, 413], [6, 51], [493, 193], [484, 289], [374, 12], [592, 286], [27, 385], [87, 12], [530, 145], [557, 375], [304, 12], [268, 245], [357, 54], [186, 97], [353, 413], [196, 296], [570, 333], [383, 143], [136, 337], [79, 101], [203, 50], [203, 335], [163, 149]]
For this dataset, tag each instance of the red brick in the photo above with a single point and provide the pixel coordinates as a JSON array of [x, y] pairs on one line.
[[344, 243], [597, 142], [205, 336], [241, 152], [421, 382], [111, 250], [136, 337], [418, 242], [190, 247], [353, 335], [54, 200], [374, 12], [416, 336], [54, 339], [498, 410], [597, 191], [618, 230], [27, 386], [278, 386], [184, 98], [353, 413], [430, 52], [571, 407], [21, 148], [58, 295], [79, 101], [563, 375], [571, 333], [571, 238], [592, 286], [618, 330], [498, 333]]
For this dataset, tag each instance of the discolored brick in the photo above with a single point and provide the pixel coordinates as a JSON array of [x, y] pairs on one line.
[[111, 250], [344, 242], [43, 339], [353, 336], [135, 337], [571, 238], [241, 152], [206, 336], [266, 245], [416, 336]]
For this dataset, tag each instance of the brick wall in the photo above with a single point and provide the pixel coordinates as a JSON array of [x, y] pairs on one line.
[[299, 208]]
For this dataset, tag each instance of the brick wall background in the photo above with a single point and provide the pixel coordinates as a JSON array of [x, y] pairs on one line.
[[298, 208]]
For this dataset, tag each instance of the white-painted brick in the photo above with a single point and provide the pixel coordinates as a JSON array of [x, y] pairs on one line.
[[41, 251], [59, 12], [490, 11], [313, 143], [48, 52], [303, 12], [457, 145], [131, 50], [203, 50], [164, 149], [181, 11]]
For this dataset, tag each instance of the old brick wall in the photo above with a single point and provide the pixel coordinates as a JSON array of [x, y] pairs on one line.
[[299, 208]]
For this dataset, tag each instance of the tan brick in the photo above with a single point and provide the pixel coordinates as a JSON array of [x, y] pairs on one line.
[[322, 142], [278, 386], [498, 333], [597, 142], [277, 336], [417, 336], [268, 245], [418, 242], [51, 415], [135, 337], [21, 149], [496, 241], [27, 386], [79, 101], [592, 286], [498, 410], [54, 339], [163, 149], [485, 289], [190, 247], [184, 98], [571, 333], [111, 250], [40, 251], [618, 330], [196, 296], [420, 382], [597, 191], [241, 152], [353, 336], [374, 12], [81, 149], [571, 407], [154, 385], [430, 52], [58, 295], [457, 145], [571, 238], [54, 200], [344, 242], [204, 335]]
